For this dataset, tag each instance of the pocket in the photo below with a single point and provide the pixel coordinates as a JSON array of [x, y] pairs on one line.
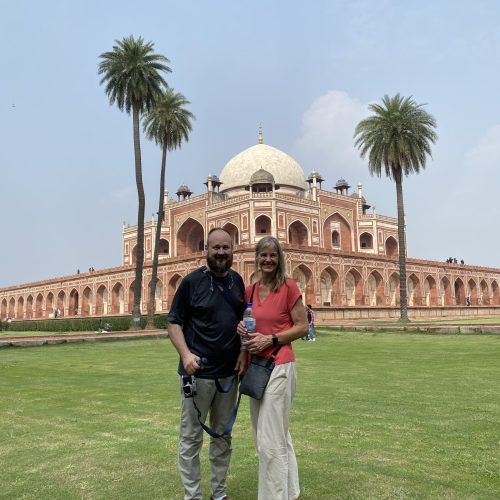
[[277, 383]]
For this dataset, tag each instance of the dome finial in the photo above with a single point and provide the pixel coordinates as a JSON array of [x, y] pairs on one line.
[[260, 135]]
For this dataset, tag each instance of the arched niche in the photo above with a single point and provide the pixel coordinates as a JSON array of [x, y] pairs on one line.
[[366, 241], [86, 302], [173, 284], [131, 295], [354, 288], [20, 308], [391, 247], [330, 287], [233, 232], [459, 292], [394, 293], [74, 303], [117, 299], [12, 308], [190, 238], [262, 226], [49, 305], [39, 306], [472, 292], [158, 294], [29, 307], [298, 234], [101, 301], [337, 233], [375, 289], [164, 247], [495, 293], [3, 309], [414, 291], [445, 292], [61, 303], [485, 293], [303, 277], [430, 292]]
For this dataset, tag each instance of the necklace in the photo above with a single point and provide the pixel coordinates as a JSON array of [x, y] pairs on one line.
[[219, 282]]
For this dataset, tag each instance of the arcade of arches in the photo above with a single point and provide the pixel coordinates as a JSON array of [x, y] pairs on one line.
[[335, 286]]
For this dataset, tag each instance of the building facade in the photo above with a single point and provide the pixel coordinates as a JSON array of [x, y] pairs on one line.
[[343, 256]]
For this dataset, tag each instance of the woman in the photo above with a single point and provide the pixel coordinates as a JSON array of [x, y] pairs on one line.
[[280, 319]]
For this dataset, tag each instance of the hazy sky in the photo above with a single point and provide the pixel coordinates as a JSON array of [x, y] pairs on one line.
[[305, 71]]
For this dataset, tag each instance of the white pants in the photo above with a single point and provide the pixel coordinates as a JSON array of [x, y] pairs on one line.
[[278, 472]]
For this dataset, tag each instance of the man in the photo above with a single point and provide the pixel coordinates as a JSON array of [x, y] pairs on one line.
[[202, 326]]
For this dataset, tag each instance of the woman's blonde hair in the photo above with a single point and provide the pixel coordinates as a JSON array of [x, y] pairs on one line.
[[280, 275]]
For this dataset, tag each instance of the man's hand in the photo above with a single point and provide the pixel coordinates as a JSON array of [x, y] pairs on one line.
[[191, 363], [242, 363]]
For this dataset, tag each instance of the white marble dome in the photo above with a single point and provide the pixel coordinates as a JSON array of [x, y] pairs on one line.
[[285, 170]]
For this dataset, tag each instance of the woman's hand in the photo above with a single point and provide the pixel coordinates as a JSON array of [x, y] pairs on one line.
[[241, 329], [258, 342]]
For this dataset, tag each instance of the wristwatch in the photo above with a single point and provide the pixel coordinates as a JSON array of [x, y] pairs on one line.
[[275, 339]]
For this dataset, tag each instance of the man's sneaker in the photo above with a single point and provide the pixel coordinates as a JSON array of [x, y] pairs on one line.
[[223, 498]]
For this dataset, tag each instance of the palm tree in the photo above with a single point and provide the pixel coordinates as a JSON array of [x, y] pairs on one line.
[[168, 124], [397, 139], [132, 74]]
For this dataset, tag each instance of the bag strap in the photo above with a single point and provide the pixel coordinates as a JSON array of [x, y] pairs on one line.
[[226, 389], [229, 426], [253, 290], [275, 353], [228, 298]]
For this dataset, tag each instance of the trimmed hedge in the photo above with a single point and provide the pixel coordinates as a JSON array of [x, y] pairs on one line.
[[86, 324]]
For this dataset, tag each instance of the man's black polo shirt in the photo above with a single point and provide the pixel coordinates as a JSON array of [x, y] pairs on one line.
[[209, 320]]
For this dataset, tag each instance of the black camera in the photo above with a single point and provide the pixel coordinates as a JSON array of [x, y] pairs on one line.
[[189, 386]]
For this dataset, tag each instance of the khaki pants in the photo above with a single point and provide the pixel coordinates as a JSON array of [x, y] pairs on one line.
[[278, 472], [221, 407]]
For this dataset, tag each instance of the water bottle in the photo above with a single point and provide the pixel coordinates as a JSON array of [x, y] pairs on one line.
[[249, 320]]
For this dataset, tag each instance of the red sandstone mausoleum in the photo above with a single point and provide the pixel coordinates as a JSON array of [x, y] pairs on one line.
[[343, 256]]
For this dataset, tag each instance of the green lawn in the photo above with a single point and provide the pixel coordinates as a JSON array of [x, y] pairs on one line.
[[375, 416]]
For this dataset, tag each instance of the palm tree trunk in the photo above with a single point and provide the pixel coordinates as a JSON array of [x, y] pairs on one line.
[[154, 272], [136, 314], [403, 301]]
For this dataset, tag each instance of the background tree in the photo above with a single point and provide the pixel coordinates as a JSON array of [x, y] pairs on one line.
[[397, 139], [132, 73], [168, 124]]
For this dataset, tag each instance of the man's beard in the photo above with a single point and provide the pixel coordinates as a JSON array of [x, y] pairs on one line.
[[220, 265]]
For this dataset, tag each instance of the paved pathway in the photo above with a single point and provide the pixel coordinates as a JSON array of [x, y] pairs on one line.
[[419, 327], [61, 338]]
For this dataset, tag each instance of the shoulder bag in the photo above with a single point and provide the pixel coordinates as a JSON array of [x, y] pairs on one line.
[[257, 376]]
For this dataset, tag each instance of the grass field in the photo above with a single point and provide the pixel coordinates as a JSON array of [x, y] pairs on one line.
[[375, 416]]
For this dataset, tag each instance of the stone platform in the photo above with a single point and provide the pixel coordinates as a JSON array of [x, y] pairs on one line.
[[62, 338]]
